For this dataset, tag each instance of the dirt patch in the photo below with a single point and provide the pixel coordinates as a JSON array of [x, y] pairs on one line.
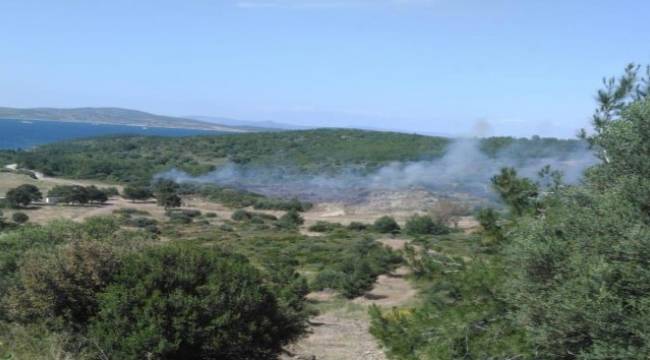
[[395, 244], [469, 224], [337, 335], [342, 329], [400, 204], [390, 290], [321, 296]]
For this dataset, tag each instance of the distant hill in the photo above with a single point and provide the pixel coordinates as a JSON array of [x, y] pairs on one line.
[[114, 116], [305, 152], [255, 125]]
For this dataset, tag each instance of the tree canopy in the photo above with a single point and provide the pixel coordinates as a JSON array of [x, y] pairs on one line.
[[23, 195]]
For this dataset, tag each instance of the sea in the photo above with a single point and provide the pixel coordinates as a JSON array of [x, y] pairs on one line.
[[21, 134]]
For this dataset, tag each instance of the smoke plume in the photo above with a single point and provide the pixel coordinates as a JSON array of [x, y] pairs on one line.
[[463, 169]]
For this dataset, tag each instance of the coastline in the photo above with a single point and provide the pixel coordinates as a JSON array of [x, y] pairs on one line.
[[143, 125]]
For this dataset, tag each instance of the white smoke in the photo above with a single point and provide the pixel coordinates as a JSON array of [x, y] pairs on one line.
[[464, 168]]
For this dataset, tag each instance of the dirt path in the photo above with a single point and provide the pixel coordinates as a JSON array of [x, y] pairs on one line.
[[338, 334], [341, 331]]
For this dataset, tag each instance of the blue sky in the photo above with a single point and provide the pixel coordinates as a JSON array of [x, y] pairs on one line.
[[439, 66]]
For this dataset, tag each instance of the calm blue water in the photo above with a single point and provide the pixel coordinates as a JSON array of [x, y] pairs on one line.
[[17, 134]]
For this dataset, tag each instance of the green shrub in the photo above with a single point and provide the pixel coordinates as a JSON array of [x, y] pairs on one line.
[[358, 281], [135, 193], [226, 228], [61, 287], [190, 303], [178, 217], [358, 226], [461, 316], [153, 229], [290, 220], [424, 225], [210, 215], [140, 222], [241, 215], [324, 226], [280, 204], [354, 272], [191, 213], [23, 195], [386, 225], [129, 212], [328, 279], [19, 217], [100, 227], [110, 191]]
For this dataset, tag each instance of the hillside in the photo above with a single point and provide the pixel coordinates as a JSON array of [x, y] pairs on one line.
[[113, 116], [245, 124]]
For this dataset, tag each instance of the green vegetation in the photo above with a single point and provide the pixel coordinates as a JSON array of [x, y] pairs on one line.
[[425, 225], [19, 217], [324, 226], [243, 215], [386, 225], [562, 274], [23, 195], [129, 285], [166, 193], [135, 159], [356, 270], [290, 220], [137, 193], [77, 194], [558, 272], [236, 198], [190, 303], [76, 288]]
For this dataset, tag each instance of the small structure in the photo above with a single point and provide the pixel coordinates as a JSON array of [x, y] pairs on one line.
[[52, 200]]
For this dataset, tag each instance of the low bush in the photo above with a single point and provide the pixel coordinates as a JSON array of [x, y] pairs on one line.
[[179, 218], [61, 286], [425, 225], [355, 272], [191, 213], [129, 212], [328, 279], [290, 220], [280, 204], [241, 215], [110, 191], [324, 226], [140, 222], [358, 226], [386, 225], [191, 303], [19, 217], [238, 198]]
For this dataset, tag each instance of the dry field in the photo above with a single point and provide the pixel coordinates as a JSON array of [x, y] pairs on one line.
[[399, 204]]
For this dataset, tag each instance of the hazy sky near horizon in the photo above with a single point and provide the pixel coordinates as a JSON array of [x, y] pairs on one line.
[[440, 66]]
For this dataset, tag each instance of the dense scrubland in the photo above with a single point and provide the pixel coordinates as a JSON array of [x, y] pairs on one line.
[[559, 271], [562, 274]]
